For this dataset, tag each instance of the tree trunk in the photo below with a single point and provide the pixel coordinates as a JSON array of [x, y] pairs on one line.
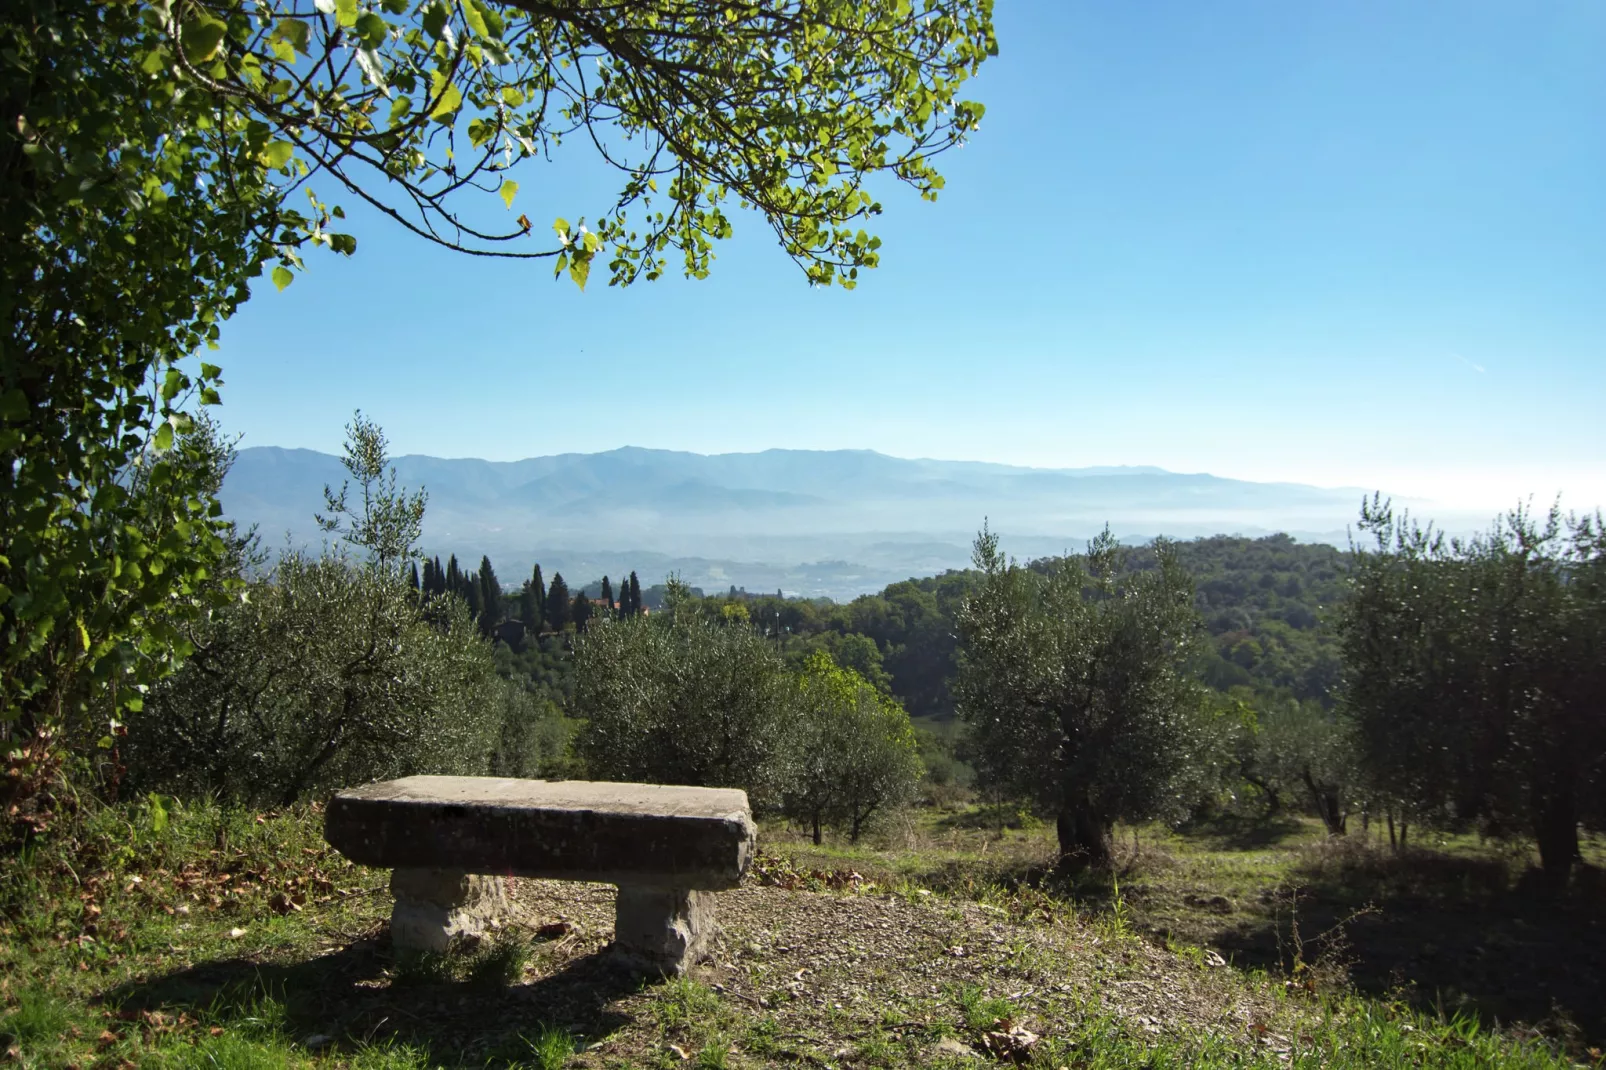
[[1327, 805], [1274, 803], [1084, 838], [1556, 830], [1394, 843], [816, 828]]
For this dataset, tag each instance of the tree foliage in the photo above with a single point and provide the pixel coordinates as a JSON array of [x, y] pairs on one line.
[[1074, 683], [678, 699], [147, 163], [130, 216], [387, 523], [788, 107], [326, 674], [851, 750], [1473, 673], [1305, 751]]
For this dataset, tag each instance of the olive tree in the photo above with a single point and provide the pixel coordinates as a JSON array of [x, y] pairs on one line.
[[1303, 749], [387, 522], [323, 674], [1073, 682], [1473, 673], [852, 753], [679, 699]]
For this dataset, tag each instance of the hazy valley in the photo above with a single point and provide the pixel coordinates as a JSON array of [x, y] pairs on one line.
[[811, 523]]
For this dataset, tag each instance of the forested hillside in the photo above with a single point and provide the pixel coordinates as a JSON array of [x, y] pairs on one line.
[[1263, 602]]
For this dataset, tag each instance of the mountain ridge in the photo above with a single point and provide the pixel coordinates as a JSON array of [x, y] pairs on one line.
[[832, 522]]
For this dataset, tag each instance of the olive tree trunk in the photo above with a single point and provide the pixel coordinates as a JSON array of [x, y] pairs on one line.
[[1085, 837]]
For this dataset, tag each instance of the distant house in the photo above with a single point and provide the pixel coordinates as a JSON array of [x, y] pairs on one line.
[[613, 607]]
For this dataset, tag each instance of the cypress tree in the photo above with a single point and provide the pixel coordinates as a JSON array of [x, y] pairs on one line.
[[412, 579], [635, 595], [557, 603], [490, 596], [580, 610], [607, 596], [471, 594], [437, 578], [454, 578], [532, 603]]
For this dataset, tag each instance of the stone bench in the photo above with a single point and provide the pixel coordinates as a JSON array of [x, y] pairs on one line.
[[450, 841]]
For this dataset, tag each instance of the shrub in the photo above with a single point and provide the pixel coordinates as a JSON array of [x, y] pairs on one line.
[[323, 674], [852, 752], [677, 699]]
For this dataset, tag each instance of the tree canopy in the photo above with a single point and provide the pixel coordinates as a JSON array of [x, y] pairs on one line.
[[148, 163], [1075, 687], [1474, 675], [788, 107]]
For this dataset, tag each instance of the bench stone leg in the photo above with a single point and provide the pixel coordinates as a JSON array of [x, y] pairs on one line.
[[667, 929], [433, 906]]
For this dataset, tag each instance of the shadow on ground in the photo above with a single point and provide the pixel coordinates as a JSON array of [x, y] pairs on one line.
[[1442, 932], [1231, 833], [1453, 932], [347, 999]]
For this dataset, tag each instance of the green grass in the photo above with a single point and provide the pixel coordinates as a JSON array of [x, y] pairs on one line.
[[223, 939], [980, 1011], [551, 1048]]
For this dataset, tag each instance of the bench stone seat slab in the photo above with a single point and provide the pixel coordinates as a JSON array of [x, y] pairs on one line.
[[450, 840], [639, 834]]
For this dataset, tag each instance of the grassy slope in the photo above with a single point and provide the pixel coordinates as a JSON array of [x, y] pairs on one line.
[[226, 940]]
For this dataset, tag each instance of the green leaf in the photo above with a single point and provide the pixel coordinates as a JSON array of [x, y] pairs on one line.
[[282, 277], [449, 102], [579, 269], [561, 225], [210, 371], [475, 19], [172, 383], [13, 405], [435, 20], [164, 438], [277, 154], [346, 12], [83, 634], [494, 22], [399, 109], [201, 37], [372, 29], [295, 31], [158, 813], [510, 189]]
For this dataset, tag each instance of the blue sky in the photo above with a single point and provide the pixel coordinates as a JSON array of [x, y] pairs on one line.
[[1357, 244]]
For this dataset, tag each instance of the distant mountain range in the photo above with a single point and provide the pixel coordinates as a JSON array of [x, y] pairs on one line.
[[836, 523]]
